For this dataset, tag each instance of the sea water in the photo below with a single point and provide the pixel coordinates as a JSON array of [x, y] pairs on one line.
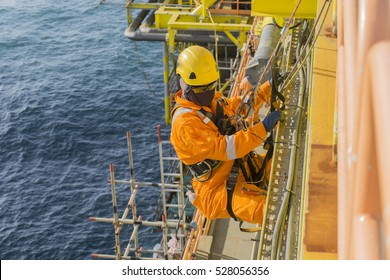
[[71, 86]]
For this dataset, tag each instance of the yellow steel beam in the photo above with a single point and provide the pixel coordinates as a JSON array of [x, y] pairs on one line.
[[185, 25], [185, 21], [201, 10], [232, 38], [177, 17], [171, 40], [284, 8], [156, 6], [209, 26], [144, 6], [163, 16], [166, 85], [242, 28]]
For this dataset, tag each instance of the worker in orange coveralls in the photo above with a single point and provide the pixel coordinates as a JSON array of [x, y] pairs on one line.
[[210, 147]]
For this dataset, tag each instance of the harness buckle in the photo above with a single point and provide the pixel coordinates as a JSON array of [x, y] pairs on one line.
[[202, 171]]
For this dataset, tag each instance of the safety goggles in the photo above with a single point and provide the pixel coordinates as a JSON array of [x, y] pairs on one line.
[[204, 89]]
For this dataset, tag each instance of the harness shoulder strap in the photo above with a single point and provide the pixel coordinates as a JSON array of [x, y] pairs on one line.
[[218, 119], [206, 116]]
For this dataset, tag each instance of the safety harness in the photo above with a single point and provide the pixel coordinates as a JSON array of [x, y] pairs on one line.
[[202, 171], [230, 185], [225, 127]]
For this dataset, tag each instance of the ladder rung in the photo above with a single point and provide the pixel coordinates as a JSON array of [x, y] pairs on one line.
[[172, 185], [172, 190], [171, 174], [170, 158], [173, 205]]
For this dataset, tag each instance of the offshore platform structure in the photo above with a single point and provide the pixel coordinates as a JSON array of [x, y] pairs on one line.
[[221, 26], [309, 213]]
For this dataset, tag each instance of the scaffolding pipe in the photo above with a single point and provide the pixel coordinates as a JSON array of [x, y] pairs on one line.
[[113, 257], [147, 184], [115, 220], [133, 237], [131, 162], [162, 174], [179, 226], [133, 190], [135, 222]]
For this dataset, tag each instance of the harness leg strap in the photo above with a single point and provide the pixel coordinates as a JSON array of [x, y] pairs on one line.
[[230, 185]]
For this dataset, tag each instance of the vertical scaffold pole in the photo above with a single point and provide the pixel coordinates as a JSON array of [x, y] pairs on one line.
[[131, 163], [181, 201], [167, 101], [131, 167], [116, 218], [132, 188], [164, 218]]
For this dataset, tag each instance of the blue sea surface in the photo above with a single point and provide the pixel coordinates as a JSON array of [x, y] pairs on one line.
[[71, 86]]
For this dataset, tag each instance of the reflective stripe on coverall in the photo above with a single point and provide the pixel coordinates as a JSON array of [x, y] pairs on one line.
[[195, 140]]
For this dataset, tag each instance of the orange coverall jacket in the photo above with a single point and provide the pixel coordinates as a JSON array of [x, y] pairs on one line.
[[195, 140]]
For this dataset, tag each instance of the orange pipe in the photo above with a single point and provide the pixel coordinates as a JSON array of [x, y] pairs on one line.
[[343, 193], [366, 211], [367, 239], [379, 64], [349, 40], [340, 24], [350, 28], [346, 91], [342, 167], [363, 156]]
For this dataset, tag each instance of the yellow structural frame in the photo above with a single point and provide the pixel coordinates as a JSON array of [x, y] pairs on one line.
[[177, 17], [284, 8], [190, 22]]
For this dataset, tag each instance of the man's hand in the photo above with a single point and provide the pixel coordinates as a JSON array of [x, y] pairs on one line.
[[271, 120]]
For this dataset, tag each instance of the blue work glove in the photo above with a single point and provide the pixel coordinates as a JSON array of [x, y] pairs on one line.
[[271, 120]]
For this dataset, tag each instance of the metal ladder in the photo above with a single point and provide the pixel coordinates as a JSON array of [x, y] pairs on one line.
[[174, 203], [173, 220]]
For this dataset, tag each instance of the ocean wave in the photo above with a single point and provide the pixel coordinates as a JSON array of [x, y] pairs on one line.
[[71, 87]]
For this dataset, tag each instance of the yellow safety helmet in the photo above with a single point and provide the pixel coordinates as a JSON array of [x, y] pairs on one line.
[[197, 67]]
